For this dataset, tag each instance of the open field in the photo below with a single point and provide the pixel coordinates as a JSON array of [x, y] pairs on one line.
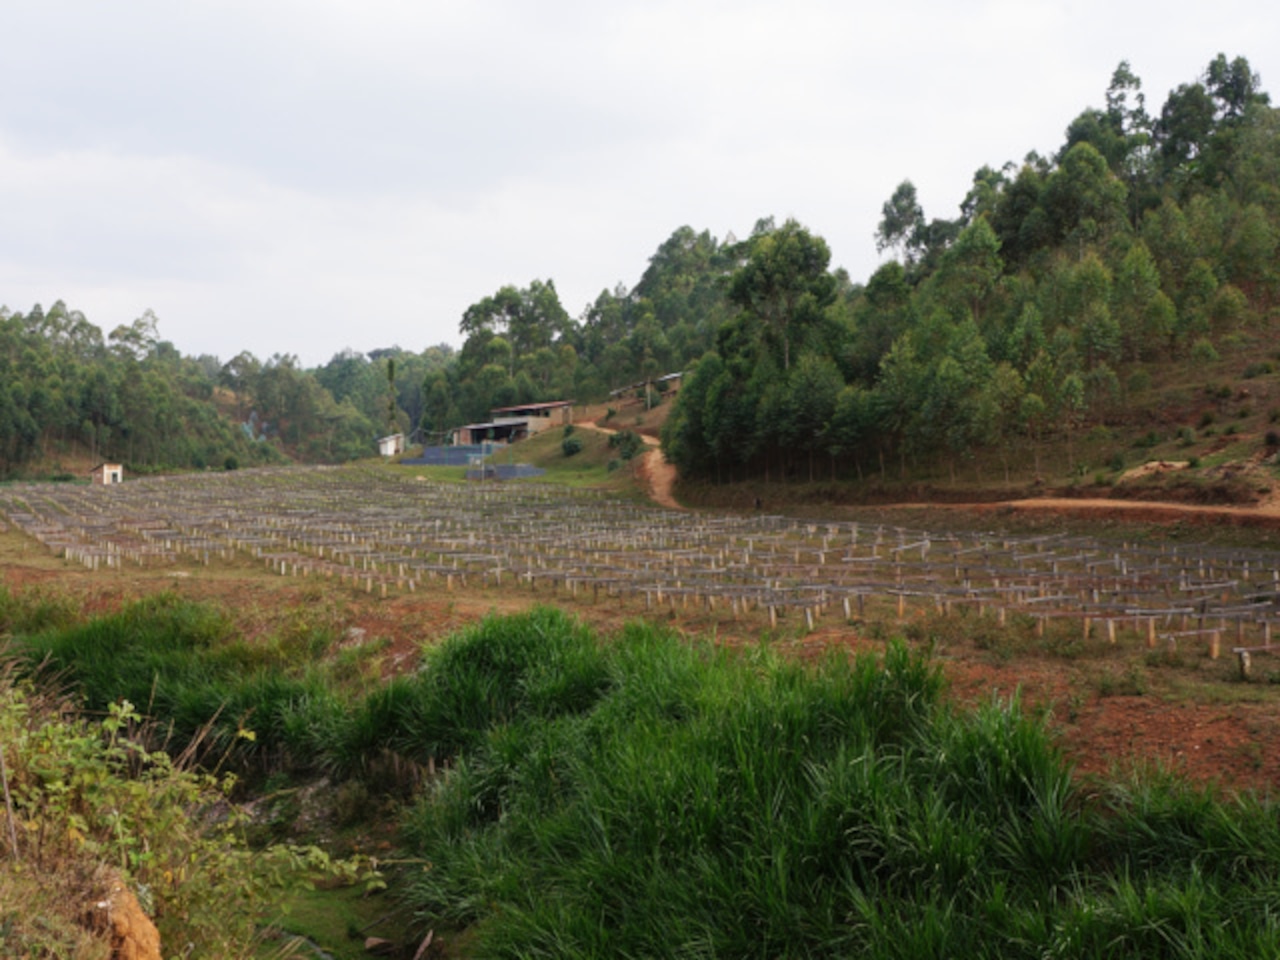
[[1115, 635]]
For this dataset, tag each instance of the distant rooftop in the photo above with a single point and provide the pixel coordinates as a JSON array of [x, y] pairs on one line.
[[550, 405]]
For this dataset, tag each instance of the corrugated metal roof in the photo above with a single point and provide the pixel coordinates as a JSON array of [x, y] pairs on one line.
[[533, 406]]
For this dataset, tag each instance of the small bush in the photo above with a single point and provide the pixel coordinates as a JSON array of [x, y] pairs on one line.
[[1272, 439], [1206, 419], [1117, 463], [1186, 436], [571, 446], [1258, 369], [568, 429], [1203, 351], [627, 443], [1139, 381]]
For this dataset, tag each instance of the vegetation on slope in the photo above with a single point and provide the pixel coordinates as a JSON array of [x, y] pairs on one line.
[[643, 795], [1066, 290], [1067, 287], [87, 806]]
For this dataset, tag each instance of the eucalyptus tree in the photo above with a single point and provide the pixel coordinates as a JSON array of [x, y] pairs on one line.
[[784, 284]]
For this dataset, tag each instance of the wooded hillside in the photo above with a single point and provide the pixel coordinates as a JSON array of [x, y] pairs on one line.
[[1067, 286], [1064, 287]]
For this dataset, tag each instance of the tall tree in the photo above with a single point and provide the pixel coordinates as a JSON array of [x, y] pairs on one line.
[[784, 284], [902, 224]]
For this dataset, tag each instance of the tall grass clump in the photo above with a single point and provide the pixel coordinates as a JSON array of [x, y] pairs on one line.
[[695, 802], [34, 610], [253, 705], [532, 666]]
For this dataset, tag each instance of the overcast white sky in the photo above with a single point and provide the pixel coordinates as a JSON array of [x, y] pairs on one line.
[[301, 177]]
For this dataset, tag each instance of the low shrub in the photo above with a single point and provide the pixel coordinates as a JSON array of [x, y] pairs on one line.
[[628, 443], [571, 446], [1203, 350], [96, 808]]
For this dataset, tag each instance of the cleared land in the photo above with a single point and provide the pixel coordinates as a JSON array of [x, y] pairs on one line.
[[1116, 637]]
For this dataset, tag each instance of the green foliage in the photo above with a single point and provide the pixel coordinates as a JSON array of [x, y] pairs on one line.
[[628, 443], [32, 611], [1203, 350], [691, 800], [180, 659], [128, 397], [1031, 317], [90, 795], [570, 446]]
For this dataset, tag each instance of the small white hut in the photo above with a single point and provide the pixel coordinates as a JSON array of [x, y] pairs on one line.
[[107, 473], [391, 446]]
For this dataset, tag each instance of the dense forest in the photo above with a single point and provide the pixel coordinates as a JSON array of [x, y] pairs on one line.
[[1042, 308], [1148, 238], [68, 392]]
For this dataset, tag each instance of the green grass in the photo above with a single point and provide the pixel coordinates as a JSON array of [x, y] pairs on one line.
[[262, 706], [589, 468], [646, 795], [339, 918], [697, 802], [437, 474]]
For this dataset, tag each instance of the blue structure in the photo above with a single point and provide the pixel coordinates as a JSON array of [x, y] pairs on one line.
[[464, 454], [456, 456]]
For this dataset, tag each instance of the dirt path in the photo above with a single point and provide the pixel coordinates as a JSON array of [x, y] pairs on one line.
[[1266, 515], [658, 475]]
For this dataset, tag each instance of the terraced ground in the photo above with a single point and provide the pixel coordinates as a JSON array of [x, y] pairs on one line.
[[1129, 641]]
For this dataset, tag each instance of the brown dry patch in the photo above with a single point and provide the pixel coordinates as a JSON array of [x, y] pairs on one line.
[[1265, 515], [1154, 468]]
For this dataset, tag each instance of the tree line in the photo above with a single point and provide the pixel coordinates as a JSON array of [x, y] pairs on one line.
[[1145, 239], [66, 389]]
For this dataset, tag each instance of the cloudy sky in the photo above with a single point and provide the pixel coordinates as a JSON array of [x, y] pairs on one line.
[[302, 177]]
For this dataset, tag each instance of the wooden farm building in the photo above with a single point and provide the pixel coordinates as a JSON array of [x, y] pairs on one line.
[[107, 473], [509, 424]]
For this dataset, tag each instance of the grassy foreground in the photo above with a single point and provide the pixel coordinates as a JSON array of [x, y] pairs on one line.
[[647, 797], [643, 795]]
